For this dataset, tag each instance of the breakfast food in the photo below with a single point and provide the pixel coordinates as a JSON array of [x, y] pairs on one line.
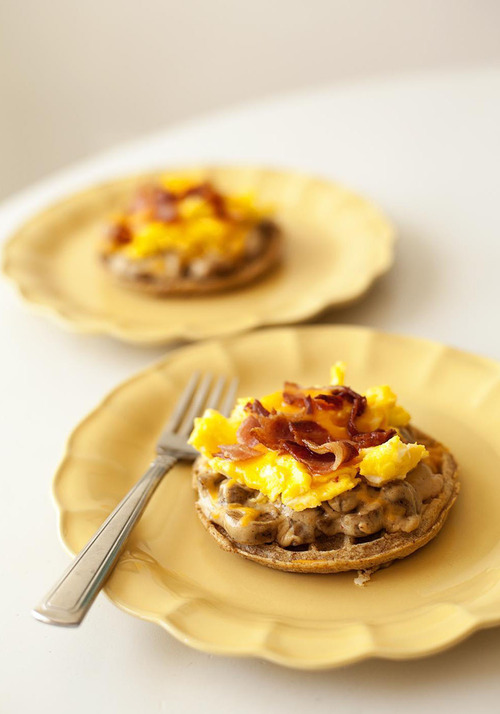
[[321, 479], [183, 236]]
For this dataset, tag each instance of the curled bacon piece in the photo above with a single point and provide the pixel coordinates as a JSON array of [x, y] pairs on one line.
[[329, 401], [245, 432], [304, 439], [358, 407], [272, 431], [349, 395], [257, 407], [316, 463], [309, 430], [343, 450]]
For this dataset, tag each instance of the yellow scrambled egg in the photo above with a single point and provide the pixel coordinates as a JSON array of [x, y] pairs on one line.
[[279, 475], [391, 460], [198, 228], [191, 238]]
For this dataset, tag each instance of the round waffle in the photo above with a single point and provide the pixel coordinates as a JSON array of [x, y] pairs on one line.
[[343, 552]]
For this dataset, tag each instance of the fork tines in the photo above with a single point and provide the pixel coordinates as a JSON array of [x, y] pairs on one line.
[[203, 391]]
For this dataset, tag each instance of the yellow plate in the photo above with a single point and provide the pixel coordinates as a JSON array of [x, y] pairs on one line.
[[336, 245], [174, 574]]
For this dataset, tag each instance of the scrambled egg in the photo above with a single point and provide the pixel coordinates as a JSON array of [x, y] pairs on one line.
[[199, 229], [190, 238], [382, 411], [282, 476], [337, 374], [391, 460]]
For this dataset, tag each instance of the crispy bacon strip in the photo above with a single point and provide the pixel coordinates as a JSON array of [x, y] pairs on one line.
[[343, 450], [329, 401], [349, 394], [316, 463], [309, 430], [245, 432], [358, 407], [272, 431]]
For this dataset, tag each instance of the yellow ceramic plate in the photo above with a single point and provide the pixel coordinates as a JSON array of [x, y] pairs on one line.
[[174, 574], [336, 245]]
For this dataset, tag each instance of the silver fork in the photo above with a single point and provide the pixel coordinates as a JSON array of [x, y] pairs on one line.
[[70, 599]]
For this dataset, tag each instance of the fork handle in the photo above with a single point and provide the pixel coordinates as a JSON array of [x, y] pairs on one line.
[[69, 600]]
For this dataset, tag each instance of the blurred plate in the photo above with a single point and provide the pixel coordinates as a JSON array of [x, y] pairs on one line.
[[173, 573], [336, 245]]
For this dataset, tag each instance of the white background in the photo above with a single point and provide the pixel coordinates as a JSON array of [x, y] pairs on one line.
[[426, 147], [76, 77]]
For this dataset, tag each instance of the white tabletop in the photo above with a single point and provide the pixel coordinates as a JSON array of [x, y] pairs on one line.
[[427, 148]]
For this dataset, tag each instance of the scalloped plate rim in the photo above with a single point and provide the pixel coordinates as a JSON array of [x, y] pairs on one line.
[[299, 663]]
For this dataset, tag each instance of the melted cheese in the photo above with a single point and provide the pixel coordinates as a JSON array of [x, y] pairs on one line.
[[249, 514], [213, 491]]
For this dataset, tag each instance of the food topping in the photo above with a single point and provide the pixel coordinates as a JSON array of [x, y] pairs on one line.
[[304, 446], [190, 218], [392, 459]]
